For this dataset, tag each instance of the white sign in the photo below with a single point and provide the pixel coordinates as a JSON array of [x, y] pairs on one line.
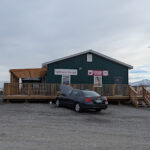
[[105, 73], [66, 72], [98, 73]]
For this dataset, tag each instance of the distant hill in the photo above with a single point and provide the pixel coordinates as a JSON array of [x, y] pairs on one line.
[[145, 82]]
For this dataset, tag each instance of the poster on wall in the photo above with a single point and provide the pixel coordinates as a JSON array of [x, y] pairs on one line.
[[98, 73], [66, 72], [98, 81]]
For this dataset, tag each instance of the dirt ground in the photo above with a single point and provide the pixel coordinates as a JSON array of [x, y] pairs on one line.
[[45, 127]]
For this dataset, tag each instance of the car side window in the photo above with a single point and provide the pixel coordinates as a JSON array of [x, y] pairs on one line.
[[74, 93], [79, 94]]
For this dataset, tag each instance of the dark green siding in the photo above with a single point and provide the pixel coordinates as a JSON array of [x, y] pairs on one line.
[[99, 63]]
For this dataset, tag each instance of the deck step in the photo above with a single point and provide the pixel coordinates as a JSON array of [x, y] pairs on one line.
[[142, 103]]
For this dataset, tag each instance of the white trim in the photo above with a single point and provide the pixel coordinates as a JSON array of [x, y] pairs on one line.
[[85, 52]]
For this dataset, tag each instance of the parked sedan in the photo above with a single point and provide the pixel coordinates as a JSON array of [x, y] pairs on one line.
[[82, 100]]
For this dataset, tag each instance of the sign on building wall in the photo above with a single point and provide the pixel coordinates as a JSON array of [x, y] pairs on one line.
[[66, 72], [98, 73]]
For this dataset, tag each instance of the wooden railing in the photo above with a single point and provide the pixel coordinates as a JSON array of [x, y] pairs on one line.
[[146, 95], [133, 96], [52, 89], [139, 90]]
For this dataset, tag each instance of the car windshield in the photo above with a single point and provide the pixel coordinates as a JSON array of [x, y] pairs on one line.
[[90, 94], [66, 89]]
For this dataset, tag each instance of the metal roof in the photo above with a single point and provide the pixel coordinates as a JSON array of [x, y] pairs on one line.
[[86, 52]]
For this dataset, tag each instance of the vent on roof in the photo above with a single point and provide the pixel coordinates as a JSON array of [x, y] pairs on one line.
[[89, 57]]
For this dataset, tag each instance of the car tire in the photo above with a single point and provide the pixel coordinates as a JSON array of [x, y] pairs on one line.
[[77, 108], [98, 110], [58, 103]]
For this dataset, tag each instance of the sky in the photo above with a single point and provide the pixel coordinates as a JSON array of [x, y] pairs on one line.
[[36, 31]]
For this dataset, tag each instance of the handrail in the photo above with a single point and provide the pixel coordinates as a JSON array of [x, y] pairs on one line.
[[133, 90], [133, 96], [146, 95]]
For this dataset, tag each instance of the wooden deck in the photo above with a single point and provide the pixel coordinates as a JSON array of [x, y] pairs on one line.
[[48, 92], [54, 97], [26, 97], [118, 97], [43, 98]]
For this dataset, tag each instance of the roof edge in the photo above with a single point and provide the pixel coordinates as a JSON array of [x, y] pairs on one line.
[[85, 52]]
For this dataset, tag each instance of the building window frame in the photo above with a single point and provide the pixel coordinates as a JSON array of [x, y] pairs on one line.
[[67, 78], [89, 58]]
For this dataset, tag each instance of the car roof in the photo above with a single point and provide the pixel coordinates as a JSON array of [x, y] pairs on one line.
[[83, 90]]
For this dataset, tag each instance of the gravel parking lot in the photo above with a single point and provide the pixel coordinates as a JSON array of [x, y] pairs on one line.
[[45, 127]]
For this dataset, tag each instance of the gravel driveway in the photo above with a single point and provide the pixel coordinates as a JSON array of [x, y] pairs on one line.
[[45, 127]]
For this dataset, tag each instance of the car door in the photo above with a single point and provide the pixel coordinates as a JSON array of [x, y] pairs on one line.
[[72, 98], [65, 92], [63, 99], [80, 98]]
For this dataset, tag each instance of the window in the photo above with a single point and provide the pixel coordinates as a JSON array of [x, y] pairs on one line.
[[90, 93], [74, 93], [65, 79], [80, 94], [98, 81], [89, 58]]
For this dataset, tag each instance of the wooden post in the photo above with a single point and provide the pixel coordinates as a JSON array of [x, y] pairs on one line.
[[93, 88], [29, 89], [113, 89], [129, 90], [52, 89], [143, 91], [14, 84]]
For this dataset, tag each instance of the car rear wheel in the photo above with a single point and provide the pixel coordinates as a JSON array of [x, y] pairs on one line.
[[58, 103], [77, 108]]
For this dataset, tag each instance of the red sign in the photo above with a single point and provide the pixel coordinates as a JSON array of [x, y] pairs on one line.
[[98, 73]]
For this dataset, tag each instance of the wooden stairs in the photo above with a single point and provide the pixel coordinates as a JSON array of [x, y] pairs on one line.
[[141, 99]]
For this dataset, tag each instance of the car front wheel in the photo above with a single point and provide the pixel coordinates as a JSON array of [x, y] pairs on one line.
[[77, 108], [58, 103]]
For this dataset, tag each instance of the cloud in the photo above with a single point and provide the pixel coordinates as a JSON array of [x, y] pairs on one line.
[[140, 72], [37, 31]]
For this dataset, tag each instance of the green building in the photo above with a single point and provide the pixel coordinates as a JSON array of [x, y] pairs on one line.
[[88, 67]]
